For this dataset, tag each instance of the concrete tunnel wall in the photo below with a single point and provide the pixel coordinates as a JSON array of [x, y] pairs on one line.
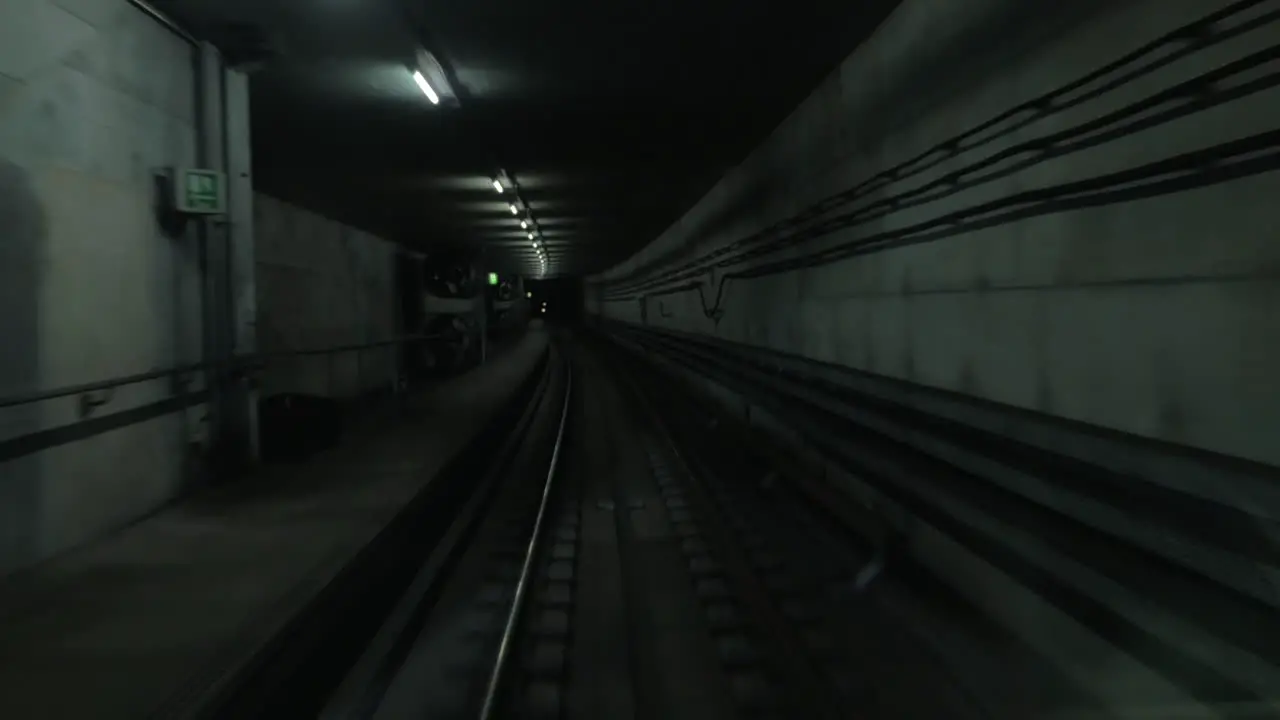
[[1153, 317], [322, 284], [93, 97]]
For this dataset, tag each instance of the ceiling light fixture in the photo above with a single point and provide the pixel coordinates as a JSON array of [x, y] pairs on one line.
[[524, 224], [431, 78], [514, 210], [426, 87], [497, 185]]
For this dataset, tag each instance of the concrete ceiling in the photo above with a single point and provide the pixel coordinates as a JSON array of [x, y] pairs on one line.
[[612, 118]]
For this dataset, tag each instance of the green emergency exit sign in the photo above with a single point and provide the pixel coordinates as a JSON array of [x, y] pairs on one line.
[[493, 278], [200, 192]]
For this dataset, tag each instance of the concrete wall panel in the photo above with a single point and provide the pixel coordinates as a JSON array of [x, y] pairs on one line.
[[94, 98], [322, 284]]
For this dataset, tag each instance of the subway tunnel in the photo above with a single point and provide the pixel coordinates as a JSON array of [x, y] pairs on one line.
[[419, 358]]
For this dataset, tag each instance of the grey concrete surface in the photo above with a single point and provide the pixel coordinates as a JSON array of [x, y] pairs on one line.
[[321, 284], [1150, 317], [94, 97], [145, 620]]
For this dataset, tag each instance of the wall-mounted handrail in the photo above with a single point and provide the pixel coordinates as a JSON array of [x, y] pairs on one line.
[[246, 362]]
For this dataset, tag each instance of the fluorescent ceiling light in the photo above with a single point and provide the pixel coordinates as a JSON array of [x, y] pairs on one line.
[[426, 87], [524, 224], [497, 184], [514, 210], [530, 236]]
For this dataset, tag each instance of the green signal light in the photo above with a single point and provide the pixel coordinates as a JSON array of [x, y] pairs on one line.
[[493, 278]]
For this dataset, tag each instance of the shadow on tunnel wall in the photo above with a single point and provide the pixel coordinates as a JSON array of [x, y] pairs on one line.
[[23, 230]]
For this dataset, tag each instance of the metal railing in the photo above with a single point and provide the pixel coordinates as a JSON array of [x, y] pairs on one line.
[[246, 363]]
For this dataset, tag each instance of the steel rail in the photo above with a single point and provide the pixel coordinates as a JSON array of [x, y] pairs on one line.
[[494, 685]]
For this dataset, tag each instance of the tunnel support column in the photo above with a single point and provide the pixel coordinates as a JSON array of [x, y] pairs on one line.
[[228, 263], [242, 395]]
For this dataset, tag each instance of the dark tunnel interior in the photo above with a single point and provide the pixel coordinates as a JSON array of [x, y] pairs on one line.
[[566, 360]]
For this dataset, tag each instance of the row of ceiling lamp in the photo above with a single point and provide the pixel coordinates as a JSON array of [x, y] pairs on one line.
[[528, 224]]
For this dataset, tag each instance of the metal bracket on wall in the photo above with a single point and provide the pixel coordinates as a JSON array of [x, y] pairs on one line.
[[714, 289], [90, 401], [180, 382]]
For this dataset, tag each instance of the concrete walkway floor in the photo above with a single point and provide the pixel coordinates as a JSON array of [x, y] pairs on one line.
[[144, 621]]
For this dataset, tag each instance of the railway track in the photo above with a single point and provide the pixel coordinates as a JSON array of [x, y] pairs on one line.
[[608, 567]]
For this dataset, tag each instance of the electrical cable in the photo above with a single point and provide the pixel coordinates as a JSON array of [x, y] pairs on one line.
[[1180, 100]]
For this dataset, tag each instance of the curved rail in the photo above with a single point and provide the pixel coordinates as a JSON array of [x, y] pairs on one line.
[[522, 586]]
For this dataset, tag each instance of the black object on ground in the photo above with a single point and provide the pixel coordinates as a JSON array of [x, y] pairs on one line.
[[294, 426]]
